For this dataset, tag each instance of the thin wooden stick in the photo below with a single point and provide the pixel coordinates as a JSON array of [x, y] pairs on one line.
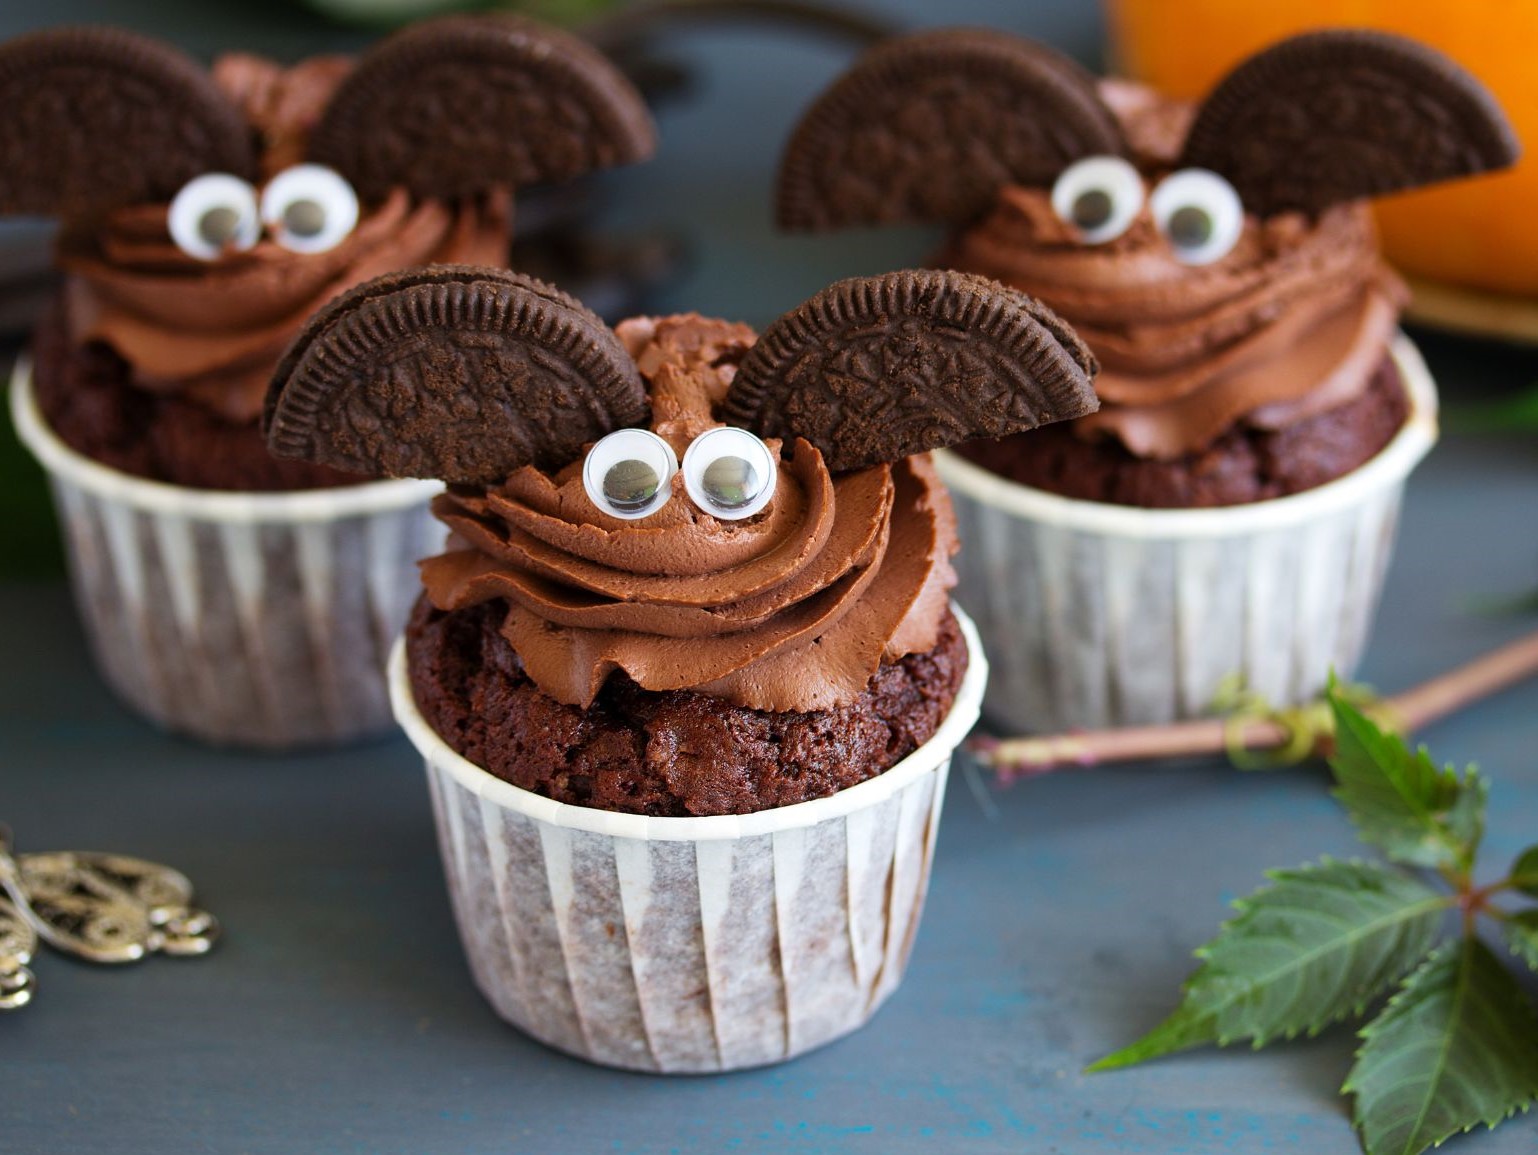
[[1450, 692], [1411, 710]]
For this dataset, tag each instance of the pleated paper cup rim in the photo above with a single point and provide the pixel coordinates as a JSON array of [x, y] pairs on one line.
[[963, 715], [1388, 468], [216, 505]]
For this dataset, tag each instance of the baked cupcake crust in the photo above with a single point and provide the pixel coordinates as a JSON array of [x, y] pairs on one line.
[[87, 396], [1244, 465], [665, 753]]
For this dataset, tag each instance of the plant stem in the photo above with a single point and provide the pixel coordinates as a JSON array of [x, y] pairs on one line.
[[1459, 879], [1484, 892], [1411, 710]]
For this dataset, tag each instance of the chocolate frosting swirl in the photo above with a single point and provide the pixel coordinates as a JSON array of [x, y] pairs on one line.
[[1289, 324], [211, 331], [793, 609]]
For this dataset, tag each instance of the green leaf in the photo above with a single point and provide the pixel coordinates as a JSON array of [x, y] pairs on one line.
[[1522, 936], [1399, 800], [1499, 605], [1514, 413], [1304, 952], [1184, 1029], [1524, 875], [1456, 1046]]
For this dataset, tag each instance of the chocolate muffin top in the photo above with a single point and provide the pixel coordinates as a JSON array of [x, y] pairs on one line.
[[208, 212], [1218, 258], [599, 493], [641, 606]]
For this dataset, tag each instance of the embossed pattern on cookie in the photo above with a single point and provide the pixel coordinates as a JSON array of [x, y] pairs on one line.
[[1336, 116], [874, 369], [463, 374], [573, 111], [928, 127], [147, 118]]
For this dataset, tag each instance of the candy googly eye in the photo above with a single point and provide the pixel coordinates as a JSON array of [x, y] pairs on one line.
[[309, 208], [1199, 213], [729, 473], [1100, 196], [627, 474], [214, 214]]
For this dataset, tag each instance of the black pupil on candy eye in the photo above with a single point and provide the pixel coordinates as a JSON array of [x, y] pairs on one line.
[[630, 485], [730, 482], [1092, 208], [219, 225], [304, 218], [1190, 227]]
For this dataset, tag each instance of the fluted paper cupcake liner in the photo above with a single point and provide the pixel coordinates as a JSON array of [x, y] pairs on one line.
[[1104, 615], [680, 945], [254, 619]]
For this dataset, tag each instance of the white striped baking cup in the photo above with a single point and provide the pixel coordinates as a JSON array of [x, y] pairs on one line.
[[1105, 615], [251, 619], [681, 945]]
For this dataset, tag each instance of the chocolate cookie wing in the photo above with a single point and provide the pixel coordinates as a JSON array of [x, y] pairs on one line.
[[460, 105], [453, 372], [874, 369], [98, 118], [1344, 114], [929, 127]]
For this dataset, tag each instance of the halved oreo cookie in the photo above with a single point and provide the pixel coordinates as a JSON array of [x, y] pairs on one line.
[[929, 127], [98, 118], [460, 105], [1345, 114], [451, 372], [874, 369]]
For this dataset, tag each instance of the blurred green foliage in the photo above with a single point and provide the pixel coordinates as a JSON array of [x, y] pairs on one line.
[[32, 546], [1507, 414]]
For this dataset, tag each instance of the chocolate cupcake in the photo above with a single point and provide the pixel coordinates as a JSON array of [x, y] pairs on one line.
[[206, 214], [1230, 507], [686, 680]]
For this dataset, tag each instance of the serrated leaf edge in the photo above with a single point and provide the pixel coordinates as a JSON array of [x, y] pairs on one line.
[[1524, 883], [1243, 905], [1347, 718], [1365, 1034], [1517, 950]]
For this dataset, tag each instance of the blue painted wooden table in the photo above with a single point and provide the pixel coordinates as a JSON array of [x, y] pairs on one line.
[[338, 1015]]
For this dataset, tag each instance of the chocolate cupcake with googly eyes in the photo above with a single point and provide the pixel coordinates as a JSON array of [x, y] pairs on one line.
[[205, 214], [1229, 508], [686, 677]]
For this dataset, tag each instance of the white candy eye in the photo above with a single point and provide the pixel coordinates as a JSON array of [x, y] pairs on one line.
[[1199, 214], [212, 214], [1100, 196], [309, 208], [729, 473], [627, 473]]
